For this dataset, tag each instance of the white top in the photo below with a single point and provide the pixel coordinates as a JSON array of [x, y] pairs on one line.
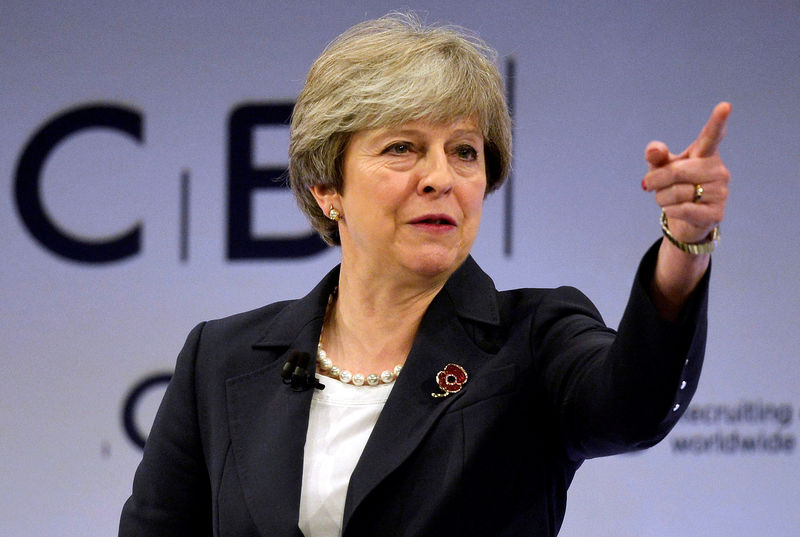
[[342, 418]]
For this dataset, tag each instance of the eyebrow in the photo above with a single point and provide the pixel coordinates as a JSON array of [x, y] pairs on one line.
[[390, 131]]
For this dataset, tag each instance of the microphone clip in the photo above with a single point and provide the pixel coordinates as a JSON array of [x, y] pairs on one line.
[[297, 374]]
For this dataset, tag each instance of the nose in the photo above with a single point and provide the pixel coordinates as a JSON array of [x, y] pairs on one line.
[[436, 175]]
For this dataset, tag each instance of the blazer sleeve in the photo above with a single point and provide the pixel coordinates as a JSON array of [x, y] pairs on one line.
[[619, 391], [171, 491]]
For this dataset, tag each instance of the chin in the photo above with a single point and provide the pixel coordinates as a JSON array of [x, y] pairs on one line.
[[432, 264]]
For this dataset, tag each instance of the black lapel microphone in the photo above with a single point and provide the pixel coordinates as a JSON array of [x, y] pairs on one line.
[[295, 372]]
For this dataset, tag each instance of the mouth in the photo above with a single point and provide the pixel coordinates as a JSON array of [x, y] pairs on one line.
[[435, 220]]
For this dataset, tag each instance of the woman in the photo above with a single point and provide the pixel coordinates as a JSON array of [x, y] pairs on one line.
[[447, 406]]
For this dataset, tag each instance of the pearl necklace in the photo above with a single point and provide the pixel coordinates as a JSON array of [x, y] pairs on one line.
[[328, 368]]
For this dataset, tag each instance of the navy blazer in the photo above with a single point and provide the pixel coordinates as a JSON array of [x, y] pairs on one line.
[[549, 386]]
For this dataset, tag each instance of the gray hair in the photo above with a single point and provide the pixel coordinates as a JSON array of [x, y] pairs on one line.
[[386, 72]]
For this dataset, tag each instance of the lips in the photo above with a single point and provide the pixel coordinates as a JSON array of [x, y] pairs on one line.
[[435, 220]]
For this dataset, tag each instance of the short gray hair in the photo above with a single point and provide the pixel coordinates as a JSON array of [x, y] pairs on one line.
[[386, 72]]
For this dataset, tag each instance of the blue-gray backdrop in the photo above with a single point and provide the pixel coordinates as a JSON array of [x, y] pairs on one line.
[[116, 135]]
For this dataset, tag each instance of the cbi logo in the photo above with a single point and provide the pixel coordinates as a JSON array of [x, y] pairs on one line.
[[243, 177]]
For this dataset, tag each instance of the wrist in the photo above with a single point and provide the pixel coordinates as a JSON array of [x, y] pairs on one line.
[[706, 246]]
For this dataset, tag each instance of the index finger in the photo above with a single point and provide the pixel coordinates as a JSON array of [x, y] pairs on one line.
[[713, 132]]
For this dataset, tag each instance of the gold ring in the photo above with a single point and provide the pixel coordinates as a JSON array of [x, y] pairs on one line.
[[698, 193]]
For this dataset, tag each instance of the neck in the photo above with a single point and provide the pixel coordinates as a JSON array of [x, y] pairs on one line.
[[374, 319]]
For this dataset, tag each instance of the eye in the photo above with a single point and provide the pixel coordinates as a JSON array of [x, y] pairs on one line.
[[398, 148], [466, 152]]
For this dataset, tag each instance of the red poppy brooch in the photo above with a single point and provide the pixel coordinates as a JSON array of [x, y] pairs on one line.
[[450, 380]]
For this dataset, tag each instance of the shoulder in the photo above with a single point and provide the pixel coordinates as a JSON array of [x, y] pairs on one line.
[[224, 346], [548, 302], [276, 323], [245, 341], [246, 323], [476, 297], [549, 315]]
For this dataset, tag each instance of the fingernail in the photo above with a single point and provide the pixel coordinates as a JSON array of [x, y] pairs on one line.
[[644, 186]]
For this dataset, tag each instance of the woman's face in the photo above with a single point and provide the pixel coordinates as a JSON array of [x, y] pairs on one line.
[[412, 197]]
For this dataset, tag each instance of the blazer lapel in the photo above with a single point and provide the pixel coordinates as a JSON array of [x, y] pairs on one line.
[[268, 420], [411, 410]]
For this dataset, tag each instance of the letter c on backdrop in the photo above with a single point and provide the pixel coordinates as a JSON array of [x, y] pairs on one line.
[[136, 435], [27, 188]]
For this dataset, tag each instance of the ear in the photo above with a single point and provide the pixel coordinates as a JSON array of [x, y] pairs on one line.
[[327, 198]]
